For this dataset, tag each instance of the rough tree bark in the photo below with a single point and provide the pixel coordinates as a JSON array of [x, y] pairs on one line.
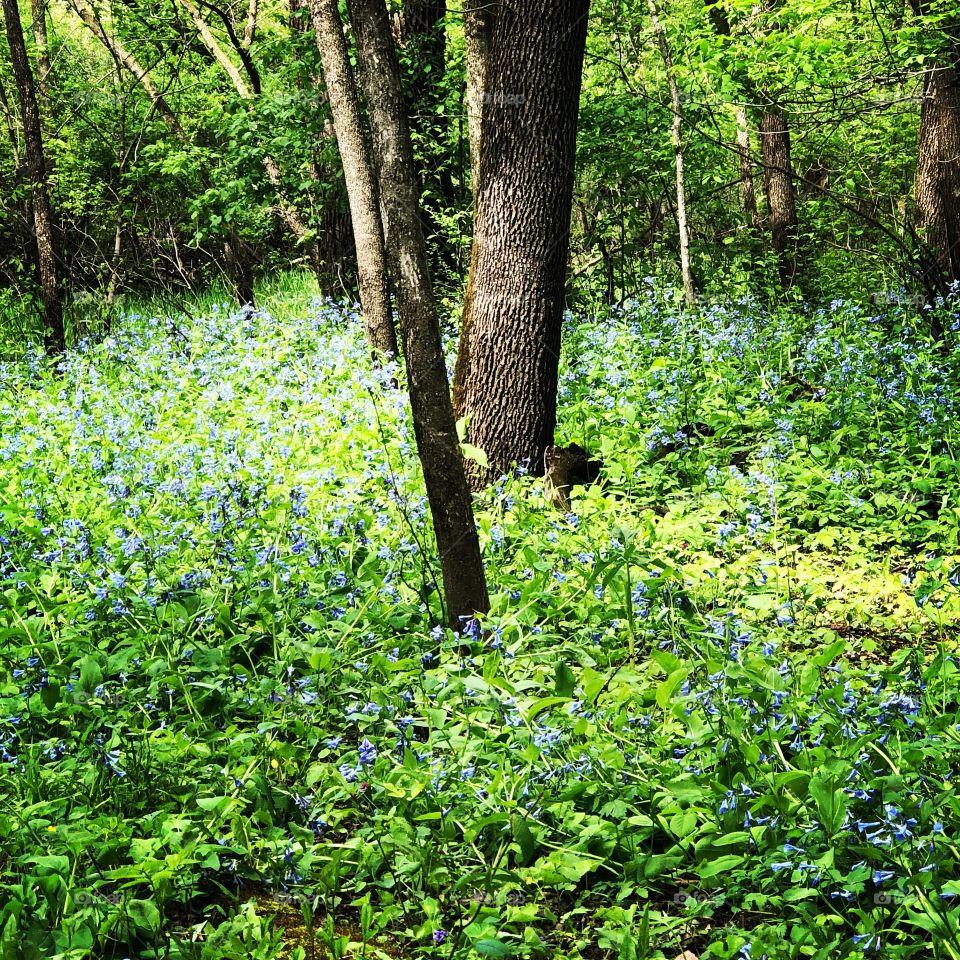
[[781, 199], [530, 54], [443, 469], [676, 138], [937, 183], [357, 171], [47, 254], [476, 32], [937, 177]]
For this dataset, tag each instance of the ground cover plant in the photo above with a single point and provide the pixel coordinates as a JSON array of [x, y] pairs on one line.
[[714, 709]]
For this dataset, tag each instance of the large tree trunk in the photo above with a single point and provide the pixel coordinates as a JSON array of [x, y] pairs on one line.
[[676, 138], [47, 254], [937, 184], [361, 191], [506, 376], [781, 200], [465, 586]]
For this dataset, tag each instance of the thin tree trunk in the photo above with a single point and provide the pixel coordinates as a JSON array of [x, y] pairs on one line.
[[747, 192], [38, 10], [11, 126], [114, 269], [676, 137], [250, 30], [219, 54], [937, 183], [239, 263], [47, 254], [357, 171], [436, 431], [531, 60], [721, 23], [781, 200], [476, 31]]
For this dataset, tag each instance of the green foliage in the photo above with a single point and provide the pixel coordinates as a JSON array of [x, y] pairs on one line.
[[713, 710]]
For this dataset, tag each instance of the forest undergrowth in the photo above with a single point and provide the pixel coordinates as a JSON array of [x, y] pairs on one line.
[[714, 709]]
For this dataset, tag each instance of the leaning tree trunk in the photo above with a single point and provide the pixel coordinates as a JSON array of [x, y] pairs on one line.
[[465, 586], [361, 190], [781, 200], [676, 138], [937, 184], [47, 254], [506, 375]]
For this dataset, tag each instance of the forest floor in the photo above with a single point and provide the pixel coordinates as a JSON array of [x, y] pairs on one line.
[[713, 709]]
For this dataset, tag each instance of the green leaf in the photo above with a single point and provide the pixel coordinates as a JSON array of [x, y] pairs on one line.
[[669, 687], [90, 675], [720, 865], [525, 840], [492, 948], [144, 914], [565, 680], [831, 803], [50, 695], [470, 452]]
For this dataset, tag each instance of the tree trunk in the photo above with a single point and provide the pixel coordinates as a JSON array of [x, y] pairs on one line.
[[38, 10], [47, 254], [721, 23], [747, 192], [781, 200], [436, 431], [676, 138], [238, 259], [531, 56], [357, 171], [476, 31], [250, 28], [937, 184], [218, 53]]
